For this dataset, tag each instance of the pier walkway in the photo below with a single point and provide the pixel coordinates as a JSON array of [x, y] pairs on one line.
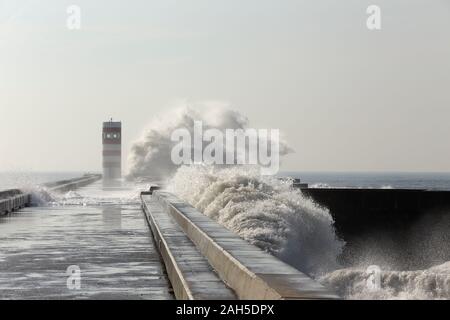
[[108, 241]]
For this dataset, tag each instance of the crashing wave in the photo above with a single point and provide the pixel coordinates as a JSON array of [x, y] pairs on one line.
[[352, 283], [265, 211]]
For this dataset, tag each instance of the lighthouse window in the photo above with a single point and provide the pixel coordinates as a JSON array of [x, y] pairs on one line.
[[111, 135]]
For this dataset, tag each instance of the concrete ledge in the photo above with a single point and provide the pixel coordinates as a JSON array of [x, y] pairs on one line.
[[251, 272], [12, 200], [71, 184], [190, 274], [15, 202]]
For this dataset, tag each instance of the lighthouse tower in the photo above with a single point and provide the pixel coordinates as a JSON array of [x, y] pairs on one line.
[[112, 150]]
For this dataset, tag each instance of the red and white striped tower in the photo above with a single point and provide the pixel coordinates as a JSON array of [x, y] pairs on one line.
[[112, 150]]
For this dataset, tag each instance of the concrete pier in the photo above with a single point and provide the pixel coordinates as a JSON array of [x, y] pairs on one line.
[[250, 272], [71, 184], [108, 241], [191, 275], [167, 250], [13, 200]]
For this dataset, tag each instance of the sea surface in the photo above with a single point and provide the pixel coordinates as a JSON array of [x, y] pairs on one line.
[[416, 180], [10, 180], [403, 180]]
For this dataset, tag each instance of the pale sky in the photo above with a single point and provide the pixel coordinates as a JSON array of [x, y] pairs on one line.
[[344, 97]]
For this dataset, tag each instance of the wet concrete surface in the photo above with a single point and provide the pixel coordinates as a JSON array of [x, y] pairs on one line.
[[110, 243]]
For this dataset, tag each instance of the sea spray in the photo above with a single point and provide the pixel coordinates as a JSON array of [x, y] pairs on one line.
[[40, 196], [127, 195], [432, 283], [265, 211], [151, 155]]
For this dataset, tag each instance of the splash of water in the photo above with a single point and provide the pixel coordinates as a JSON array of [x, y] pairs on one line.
[[432, 283], [320, 185], [99, 197], [150, 156], [265, 211], [40, 196], [270, 213], [128, 194]]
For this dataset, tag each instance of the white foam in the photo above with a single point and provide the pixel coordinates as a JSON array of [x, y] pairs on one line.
[[268, 212], [432, 283], [265, 211], [150, 156], [320, 185], [96, 195], [92, 195], [40, 196]]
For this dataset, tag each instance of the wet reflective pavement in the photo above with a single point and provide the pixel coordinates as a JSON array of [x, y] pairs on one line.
[[109, 242]]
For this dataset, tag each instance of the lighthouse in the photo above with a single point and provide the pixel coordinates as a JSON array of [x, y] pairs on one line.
[[112, 150]]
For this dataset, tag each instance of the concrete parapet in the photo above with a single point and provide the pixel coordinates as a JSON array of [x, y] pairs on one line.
[[251, 272], [71, 184], [13, 202], [190, 274]]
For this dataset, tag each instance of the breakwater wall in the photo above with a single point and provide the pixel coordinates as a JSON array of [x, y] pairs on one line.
[[407, 229], [11, 200], [15, 199], [358, 211], [71, 184]]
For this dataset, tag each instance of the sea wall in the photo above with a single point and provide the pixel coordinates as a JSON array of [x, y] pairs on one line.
[[12, 200], [15, 199], [405, 229], [358, 211]]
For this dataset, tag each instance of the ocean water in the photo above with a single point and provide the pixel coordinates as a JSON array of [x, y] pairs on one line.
[[403, 180], [416, 180], [23, 179]]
